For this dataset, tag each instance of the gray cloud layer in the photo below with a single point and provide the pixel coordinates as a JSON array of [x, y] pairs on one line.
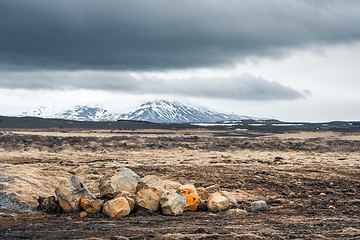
[[243, 87], [165, 34]]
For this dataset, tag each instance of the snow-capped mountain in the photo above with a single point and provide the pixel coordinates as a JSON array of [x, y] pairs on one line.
[[78, 113], [163, 111], [159, 111]]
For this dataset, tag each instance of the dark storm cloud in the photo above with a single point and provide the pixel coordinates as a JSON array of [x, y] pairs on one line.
[[243, 87], [165, 34]]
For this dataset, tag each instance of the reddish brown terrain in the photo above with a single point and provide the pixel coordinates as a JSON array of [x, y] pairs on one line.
[[310, 181]]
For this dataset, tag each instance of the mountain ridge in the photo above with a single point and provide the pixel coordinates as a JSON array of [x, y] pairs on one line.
[[158, 111]]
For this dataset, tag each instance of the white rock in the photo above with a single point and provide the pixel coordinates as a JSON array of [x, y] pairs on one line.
[[172, 203]]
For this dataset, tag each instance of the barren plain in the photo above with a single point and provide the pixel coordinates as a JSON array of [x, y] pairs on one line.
[[310, 181]]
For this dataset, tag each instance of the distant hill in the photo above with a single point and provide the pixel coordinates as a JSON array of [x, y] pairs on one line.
[[236, 128]]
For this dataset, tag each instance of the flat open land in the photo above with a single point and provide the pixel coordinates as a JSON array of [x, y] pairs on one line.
[[310, 181]]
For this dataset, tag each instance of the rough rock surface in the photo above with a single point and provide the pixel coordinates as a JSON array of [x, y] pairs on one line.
[[213, 188], [258, 206], [91, 205], [172, 203], [237, 211], [129, 197], [49, 205], [203, 193], [152, 182], [147, 199], [192, 197], [171, 186], [217, 202], [117, 207], [231, 197], [123, 180], [69, 193]]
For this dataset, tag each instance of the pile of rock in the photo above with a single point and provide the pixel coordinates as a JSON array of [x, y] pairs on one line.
[[125, 190]]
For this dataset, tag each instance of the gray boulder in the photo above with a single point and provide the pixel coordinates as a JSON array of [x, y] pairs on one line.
[[70, 191], [172, 203], [124, 180]]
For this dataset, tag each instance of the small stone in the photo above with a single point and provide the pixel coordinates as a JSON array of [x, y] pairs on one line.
[[147, 199], [258, 206], [322, 194], [83, 214], [217, 202], [117, 207], [237, 211], [192, 197], [172, 203], [123, 180], [69, 193], [91, 205]]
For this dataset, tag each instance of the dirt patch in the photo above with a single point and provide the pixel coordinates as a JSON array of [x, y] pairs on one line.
[[311, 185]]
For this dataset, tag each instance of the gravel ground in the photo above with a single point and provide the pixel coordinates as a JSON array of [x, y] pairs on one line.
[[9, 203]]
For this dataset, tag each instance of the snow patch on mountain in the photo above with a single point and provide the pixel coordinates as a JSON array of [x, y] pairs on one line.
[[77, 113]]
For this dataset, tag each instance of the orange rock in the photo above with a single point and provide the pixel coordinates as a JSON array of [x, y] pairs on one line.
[[117, 208], [129, 197], [147, 199], [192, 197], [288, 150], [83, 214], [91, 206]]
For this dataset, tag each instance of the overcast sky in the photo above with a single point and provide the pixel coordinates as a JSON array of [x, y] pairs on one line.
[[294, 60]]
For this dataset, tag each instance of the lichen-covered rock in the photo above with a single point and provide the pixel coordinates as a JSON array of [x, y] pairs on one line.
[[91, 205], [148, 199], [231, 197], [69, 193], [217, 202], [192, 197], [172, 203], [123, 180], [117, 207]]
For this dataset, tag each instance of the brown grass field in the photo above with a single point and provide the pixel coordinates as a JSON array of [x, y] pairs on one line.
[[310, 180]]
